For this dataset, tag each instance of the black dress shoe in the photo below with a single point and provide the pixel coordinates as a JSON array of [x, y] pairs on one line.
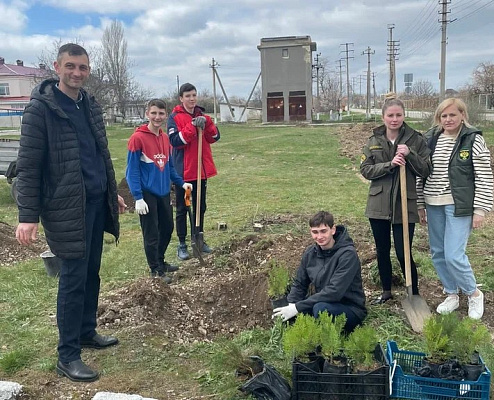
[[98, 342], [381, 300], [76, 371]]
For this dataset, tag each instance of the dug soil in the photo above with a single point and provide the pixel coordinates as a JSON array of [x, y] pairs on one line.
[[226, 296]]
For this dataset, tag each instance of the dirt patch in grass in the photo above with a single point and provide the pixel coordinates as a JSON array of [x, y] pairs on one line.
[[12, 251]]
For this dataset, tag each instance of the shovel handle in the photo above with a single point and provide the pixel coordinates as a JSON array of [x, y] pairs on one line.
[[199, 170], [404, 219], [187, 197]]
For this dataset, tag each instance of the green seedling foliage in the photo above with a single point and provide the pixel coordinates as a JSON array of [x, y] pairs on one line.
[[278, 280], [468, 337], [302, 337], [360, 345], [331, 334], [438, 345]]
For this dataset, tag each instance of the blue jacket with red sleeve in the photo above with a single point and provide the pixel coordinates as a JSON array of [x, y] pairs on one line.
[[149, 164], [183, 138]]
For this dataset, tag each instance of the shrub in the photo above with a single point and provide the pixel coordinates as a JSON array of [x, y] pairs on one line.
[[278, 280]]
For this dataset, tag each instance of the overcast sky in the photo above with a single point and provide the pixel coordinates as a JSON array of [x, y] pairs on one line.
[[170, 38]]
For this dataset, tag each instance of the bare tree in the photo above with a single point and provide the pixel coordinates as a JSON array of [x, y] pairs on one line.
[[483, 77], [137, 97], [422, 89], [330, 93], [116, 64]]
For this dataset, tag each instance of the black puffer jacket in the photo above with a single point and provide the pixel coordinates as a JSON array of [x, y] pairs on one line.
[[49, 177], [335, 275]]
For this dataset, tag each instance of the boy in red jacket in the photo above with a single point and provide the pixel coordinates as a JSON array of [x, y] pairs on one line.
[[182, 130], [149, 174]]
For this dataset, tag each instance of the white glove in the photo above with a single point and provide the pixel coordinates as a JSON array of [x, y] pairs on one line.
[[186, 186], [286, 312], [141, 207]]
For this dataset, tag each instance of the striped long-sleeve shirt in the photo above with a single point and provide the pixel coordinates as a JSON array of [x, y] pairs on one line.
[[437, 188]]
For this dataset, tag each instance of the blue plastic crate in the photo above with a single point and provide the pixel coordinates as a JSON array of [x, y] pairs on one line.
[[405, 385]]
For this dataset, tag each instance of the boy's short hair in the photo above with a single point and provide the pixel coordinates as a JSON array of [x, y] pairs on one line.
[[72, 49], [186, 87], [156, 102], [322, 218]]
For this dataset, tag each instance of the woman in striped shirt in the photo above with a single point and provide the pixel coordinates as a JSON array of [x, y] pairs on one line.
[[454, 199]]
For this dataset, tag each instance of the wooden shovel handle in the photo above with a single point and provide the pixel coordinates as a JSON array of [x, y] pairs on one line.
[[199, 168], [404, 219]]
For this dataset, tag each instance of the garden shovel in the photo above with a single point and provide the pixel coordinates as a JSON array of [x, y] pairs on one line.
[[198, 237], [195, 251], [415, 307]]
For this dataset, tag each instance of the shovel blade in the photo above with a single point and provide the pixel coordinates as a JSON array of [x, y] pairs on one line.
[[416, 310], [197, 245]]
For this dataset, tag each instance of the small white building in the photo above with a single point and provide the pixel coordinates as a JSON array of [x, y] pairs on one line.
[[239, 115]]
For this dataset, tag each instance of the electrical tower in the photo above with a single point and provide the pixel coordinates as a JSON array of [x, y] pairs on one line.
[[368, 51], [393, 52], [347, 52], [340, 87]]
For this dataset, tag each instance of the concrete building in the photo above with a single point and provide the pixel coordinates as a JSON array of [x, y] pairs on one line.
[[16, 84], [286, 73]]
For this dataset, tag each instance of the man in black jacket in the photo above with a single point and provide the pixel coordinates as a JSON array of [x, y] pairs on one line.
[[331, 265], [65, 178]]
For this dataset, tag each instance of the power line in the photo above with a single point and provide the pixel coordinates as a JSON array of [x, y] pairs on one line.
[[463, 17]]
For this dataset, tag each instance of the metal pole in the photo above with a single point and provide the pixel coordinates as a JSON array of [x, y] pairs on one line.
[[213, 66], [442, 76]]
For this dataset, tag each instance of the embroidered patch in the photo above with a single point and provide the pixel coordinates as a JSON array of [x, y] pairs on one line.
[[362, 158], [375, 148], [464, 154]]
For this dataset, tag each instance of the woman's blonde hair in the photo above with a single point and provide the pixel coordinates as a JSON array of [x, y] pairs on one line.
[[452, 101], [390, 99]]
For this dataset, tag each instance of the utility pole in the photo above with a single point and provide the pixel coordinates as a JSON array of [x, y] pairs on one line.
[[178, 86], [317, 65], [347, 57], [444, 22], [374, 88], [368, 52], [213, 66], [393, 47], [340, 87]]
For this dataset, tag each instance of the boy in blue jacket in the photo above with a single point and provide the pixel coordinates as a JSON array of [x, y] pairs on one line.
[[149, 174]]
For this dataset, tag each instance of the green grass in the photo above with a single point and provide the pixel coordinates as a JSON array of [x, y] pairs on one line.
[[263, 171]]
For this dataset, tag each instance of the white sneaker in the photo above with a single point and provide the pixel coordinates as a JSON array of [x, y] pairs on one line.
[[451, 303], [476, 306]]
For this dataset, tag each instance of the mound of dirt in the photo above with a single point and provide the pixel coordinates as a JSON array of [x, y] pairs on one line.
[[205, 301], [353, 138]]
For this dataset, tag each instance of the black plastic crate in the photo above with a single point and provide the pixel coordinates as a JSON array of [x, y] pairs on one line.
[[309, 383]]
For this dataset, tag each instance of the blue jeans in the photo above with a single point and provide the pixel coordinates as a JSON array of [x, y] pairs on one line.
[[78, 287], [336, 309], [448, 238]]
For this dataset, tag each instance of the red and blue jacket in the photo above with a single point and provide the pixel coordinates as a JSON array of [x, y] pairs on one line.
[[183, 138], [149, 163]]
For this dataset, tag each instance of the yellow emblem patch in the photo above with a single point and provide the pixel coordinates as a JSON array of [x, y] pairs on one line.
[[375, 147], [362, 158], [464, 154]]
